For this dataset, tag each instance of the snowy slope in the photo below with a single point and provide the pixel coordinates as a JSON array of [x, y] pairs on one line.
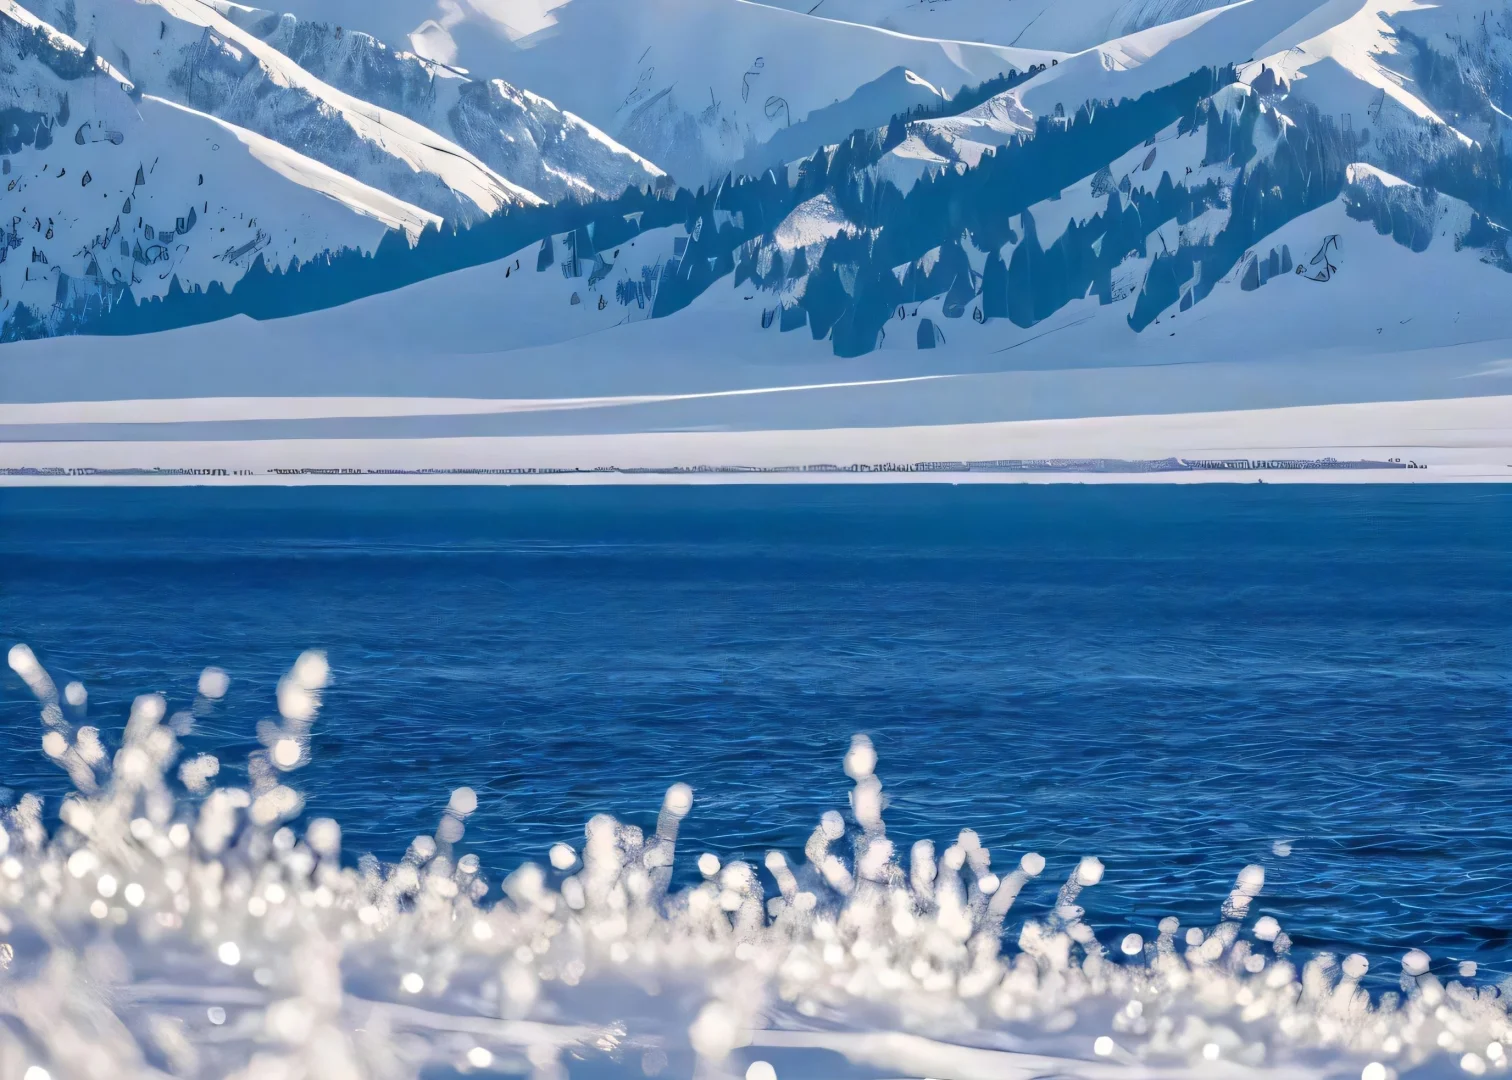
[[675, 83], [730, 75], [111, 191], [184, 110], [1369, 332], [693, 85], [1356, 66], [185, 51], [518, 134], [1121, 68], [699, 85], [1034, 24]]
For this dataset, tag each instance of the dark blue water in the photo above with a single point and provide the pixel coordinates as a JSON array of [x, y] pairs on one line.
[[1172, 679]]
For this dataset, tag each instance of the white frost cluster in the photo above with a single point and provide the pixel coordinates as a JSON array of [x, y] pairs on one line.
[[204, 934]]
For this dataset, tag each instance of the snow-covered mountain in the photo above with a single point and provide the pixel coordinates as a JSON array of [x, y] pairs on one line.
[[1292, 185], [698, 87], [187, 52], [134, 124], [694, 85], [107, 188]]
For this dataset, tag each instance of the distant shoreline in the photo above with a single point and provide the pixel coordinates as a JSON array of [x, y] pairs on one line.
[[1360, 472], [1449, 440]]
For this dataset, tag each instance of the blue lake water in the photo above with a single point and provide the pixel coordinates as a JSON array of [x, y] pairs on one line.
[[1172, 679]]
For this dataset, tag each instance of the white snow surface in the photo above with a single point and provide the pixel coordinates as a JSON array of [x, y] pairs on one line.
[[1447, 440], [306, 172]]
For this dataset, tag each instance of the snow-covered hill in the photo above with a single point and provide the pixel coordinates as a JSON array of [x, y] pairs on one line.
[[134, 124], [694, 85], [1288, 203], [106, 188], [421, 131], [517, 133], [186, 51]]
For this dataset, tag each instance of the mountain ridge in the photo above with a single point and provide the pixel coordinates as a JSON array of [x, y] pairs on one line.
[[926, 231]]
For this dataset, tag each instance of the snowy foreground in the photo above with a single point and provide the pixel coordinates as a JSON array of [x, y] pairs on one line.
[[179, 928]]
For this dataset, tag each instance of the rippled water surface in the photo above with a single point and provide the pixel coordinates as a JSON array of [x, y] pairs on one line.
[[1178, 680]]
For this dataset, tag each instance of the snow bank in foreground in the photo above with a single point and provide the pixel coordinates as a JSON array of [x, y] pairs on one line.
[[182, 926]]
